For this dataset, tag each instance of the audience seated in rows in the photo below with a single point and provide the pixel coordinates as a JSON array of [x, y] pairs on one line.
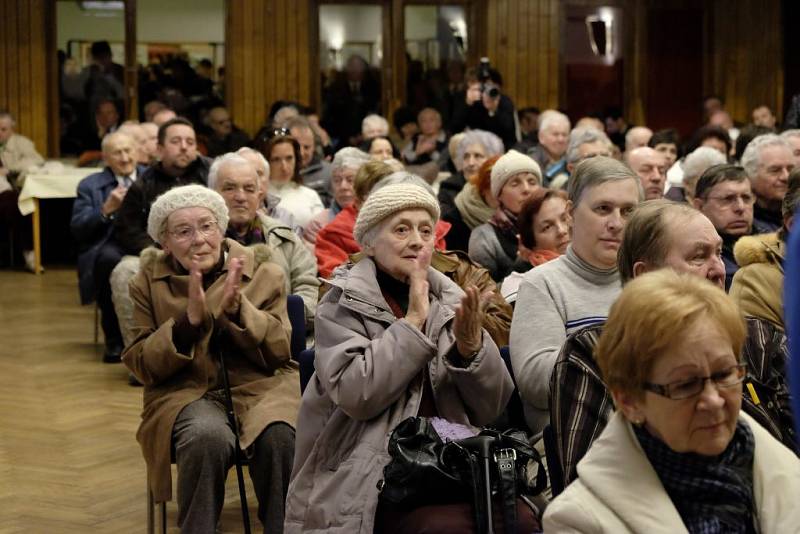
[[385, 349], [660, 234], [678, 454]]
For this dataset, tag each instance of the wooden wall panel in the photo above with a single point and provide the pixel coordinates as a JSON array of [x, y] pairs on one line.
[[522, 41], [267, 57], [25, 79], [746, 59]]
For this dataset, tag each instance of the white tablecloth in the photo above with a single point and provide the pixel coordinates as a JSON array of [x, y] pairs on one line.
[[61, 185]]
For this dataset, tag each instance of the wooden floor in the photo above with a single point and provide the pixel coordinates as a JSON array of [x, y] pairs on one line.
[[69, 460]]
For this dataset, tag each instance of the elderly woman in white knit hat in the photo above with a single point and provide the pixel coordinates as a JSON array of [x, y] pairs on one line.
[[495, 244], [200, 296], [394, 338]]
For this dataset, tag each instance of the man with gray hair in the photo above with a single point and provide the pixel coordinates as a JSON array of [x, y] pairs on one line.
[[793, 137], [270, 203], [693, 166], [316, 172], [768, 160], [584, 143], [235, 178], [100, 196], [553, 135]]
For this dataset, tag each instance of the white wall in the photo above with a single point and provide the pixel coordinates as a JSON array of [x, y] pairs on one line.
[[157, 21]]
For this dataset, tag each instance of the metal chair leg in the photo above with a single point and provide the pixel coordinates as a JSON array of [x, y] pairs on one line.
[[151, 520], [96, 320]]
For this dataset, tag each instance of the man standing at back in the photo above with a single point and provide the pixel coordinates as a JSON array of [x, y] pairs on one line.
[[179, 165]]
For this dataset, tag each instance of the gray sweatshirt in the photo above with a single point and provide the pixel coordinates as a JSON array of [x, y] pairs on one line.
[[555, 299]]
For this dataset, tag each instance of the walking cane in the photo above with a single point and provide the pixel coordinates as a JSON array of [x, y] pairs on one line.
[[237, 453]]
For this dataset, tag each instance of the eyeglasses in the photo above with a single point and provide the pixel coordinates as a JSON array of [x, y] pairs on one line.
[[732, 200], [206, 229], [689, 388]]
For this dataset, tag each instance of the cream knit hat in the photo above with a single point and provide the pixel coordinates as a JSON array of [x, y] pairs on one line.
[[390, 199], [512, 163], [186, 196]]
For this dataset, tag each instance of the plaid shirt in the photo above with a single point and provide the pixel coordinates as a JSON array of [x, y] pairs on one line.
[[581, 406]]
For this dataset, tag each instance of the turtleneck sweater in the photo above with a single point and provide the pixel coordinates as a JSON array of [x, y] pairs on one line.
[[555, 300]]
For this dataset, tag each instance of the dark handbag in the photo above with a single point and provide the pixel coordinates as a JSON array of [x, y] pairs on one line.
[[425, 470]]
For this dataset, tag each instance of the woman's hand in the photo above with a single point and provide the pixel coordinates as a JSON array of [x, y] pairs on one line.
[[231, 297], [418, 299], [468, 323], [196, 309]]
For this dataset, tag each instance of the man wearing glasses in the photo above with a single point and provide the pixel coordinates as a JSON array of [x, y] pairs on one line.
[[724, 195]]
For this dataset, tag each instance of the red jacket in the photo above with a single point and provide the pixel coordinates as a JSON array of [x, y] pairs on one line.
[[335, 241]]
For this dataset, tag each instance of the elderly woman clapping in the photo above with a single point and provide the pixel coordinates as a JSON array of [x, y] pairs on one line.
[[200, 299], [394, 338], [678, 456]]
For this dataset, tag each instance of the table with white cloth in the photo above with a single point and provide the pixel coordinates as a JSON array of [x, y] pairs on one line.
[[60, 184]]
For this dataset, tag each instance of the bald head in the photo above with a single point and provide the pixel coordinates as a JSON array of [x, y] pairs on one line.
[[638, 136], [219, 120], [139, 136], [163, 116], [650, 167]]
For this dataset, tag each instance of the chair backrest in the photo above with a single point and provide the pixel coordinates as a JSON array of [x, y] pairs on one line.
[[296, 311], [306, 361]]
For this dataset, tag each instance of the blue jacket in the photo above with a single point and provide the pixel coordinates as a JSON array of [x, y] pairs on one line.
[[89, 228]]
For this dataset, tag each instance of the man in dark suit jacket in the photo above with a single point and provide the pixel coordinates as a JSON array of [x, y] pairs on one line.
[[100, 196]]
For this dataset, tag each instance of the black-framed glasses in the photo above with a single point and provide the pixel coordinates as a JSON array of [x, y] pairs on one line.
[[689, 388]]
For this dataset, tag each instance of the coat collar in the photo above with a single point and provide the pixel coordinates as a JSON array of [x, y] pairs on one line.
[[163, 268], [619, 474]]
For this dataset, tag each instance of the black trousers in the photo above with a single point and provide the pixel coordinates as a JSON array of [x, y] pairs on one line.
[[108, 257]]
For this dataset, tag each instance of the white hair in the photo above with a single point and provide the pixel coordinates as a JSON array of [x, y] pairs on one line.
[[698, 161], [377, 122], [751, 158], [113, 136], [790, 133], [550, 118], [632, 132], [261, 158], [492, 144], [583, 136], [231, 158], [349, 158]]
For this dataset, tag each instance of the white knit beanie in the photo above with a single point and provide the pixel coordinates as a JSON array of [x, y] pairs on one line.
[[390, 199], [508, 165], [186, 196]]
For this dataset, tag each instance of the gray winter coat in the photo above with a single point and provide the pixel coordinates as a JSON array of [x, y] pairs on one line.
[[367, 380]]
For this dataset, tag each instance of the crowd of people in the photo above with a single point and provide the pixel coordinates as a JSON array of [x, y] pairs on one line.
[[635, 279]]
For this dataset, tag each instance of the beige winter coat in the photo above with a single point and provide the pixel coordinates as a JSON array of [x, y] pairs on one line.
[[265, 382], [757, 286], [368, 379], [618, 491]]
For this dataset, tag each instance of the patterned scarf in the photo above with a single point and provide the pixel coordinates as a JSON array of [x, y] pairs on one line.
[[253, 235], [713, 495], [474, 211]]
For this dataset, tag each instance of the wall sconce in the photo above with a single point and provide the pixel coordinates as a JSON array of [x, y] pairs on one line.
[[601, 34]]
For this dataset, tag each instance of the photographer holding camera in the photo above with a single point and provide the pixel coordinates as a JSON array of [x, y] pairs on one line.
[[482, 105]]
